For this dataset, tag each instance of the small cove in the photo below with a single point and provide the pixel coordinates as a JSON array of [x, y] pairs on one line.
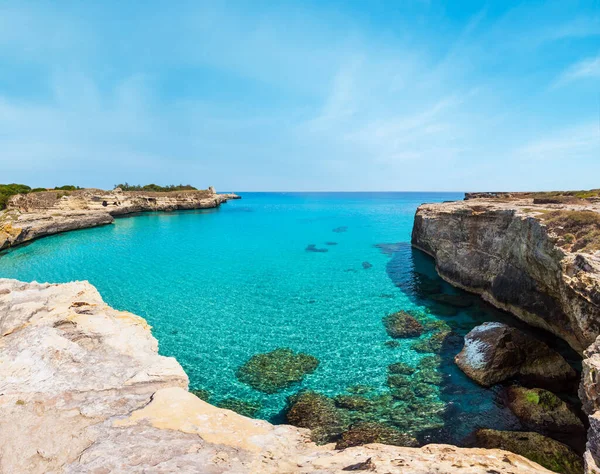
[[312, 272]]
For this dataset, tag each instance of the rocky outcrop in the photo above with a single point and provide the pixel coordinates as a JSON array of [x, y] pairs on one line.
[[34, 215], [542, 411], [550, 453], [495, 352], [83, 389], [534, 255], [503, 250]]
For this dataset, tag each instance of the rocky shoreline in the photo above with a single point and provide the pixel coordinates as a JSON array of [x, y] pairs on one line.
[[534, 256], [83, 389], [31, 216]]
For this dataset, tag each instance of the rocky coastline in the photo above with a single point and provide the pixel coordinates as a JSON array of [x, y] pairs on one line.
[[83, 389], [535, 256], [31, 216]]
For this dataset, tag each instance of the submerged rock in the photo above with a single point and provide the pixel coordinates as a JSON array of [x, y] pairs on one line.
[[542, 411], [371, 432], [402, 324], [276, 370], [401, 368], [353, 402], [494, 352], [313, 248], [436, 342], [201, 394], [391, 344], [549, 453], [318, 413], [339, 230], [367, 265], [242, 407], [429, 362]]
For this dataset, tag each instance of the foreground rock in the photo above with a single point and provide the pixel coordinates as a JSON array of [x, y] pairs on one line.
[[84, 390], [544, 412], [549, 453], [494, 352], [34, 215]]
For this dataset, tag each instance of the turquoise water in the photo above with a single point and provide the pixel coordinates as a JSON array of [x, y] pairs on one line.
[[219, 286]]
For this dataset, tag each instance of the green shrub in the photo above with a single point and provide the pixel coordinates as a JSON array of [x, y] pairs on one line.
[[156, 187]]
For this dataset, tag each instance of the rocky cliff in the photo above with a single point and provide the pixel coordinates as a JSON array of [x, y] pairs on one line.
[[82, 389], [536, 256], [34, 215]]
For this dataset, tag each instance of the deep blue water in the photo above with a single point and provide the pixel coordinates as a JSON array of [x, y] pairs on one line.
[[220, 285]]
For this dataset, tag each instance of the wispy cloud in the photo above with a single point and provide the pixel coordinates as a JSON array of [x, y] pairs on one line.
[[588, 68]]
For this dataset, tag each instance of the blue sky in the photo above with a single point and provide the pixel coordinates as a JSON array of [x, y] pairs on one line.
[[305, 96]]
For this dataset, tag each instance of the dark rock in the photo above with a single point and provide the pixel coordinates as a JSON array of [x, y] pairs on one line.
[[494, 352], [429, 362], [544, 412], [367, 265], [242, 407], [318, 413], [424, 390], [402, 324], [545, 451], [313, 248], [352, 402], [436, 343], [397, 380], [371, 432], [276, 370], [401, 368], [392, 344], [368, 465]]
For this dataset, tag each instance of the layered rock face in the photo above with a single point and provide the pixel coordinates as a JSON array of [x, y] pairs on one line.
[[82, 389], [34, 215], [502, 250], [536, 257]]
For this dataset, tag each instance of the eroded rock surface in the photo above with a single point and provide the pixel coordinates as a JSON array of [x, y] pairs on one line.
[[82, 389], [535, 256], [34, 215], [494, 352]]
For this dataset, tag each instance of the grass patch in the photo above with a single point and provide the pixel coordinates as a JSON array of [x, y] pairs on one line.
[[578, 231]]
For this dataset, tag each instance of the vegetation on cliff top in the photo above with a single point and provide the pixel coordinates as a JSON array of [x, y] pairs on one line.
[[8, 190], [578, 230], [156, 187]]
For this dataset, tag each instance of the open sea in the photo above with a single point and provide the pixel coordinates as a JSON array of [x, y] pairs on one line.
[[313, 272]]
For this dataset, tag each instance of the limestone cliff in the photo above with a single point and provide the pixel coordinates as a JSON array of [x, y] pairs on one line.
[[535, 256], [34, 215], [82, 389]]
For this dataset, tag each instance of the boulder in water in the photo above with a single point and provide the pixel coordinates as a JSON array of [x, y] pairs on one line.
[[494, 352]]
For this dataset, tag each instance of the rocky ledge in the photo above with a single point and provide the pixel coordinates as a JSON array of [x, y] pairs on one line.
[[83, 389], [534, 255], [34, 215]]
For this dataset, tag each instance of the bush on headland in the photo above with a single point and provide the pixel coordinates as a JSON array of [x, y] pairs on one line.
[[8, 190], [155, 187]]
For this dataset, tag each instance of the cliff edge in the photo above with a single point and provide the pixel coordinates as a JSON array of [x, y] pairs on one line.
[[83, 389], [536, 256], [34, 215]]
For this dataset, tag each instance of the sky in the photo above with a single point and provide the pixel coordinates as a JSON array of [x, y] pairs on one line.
[[313, 95]]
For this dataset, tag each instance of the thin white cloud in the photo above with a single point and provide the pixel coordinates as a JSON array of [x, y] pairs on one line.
[[588, 68], [570, 145]]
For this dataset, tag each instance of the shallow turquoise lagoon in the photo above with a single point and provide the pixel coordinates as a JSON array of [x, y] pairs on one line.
[[304, 271]]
